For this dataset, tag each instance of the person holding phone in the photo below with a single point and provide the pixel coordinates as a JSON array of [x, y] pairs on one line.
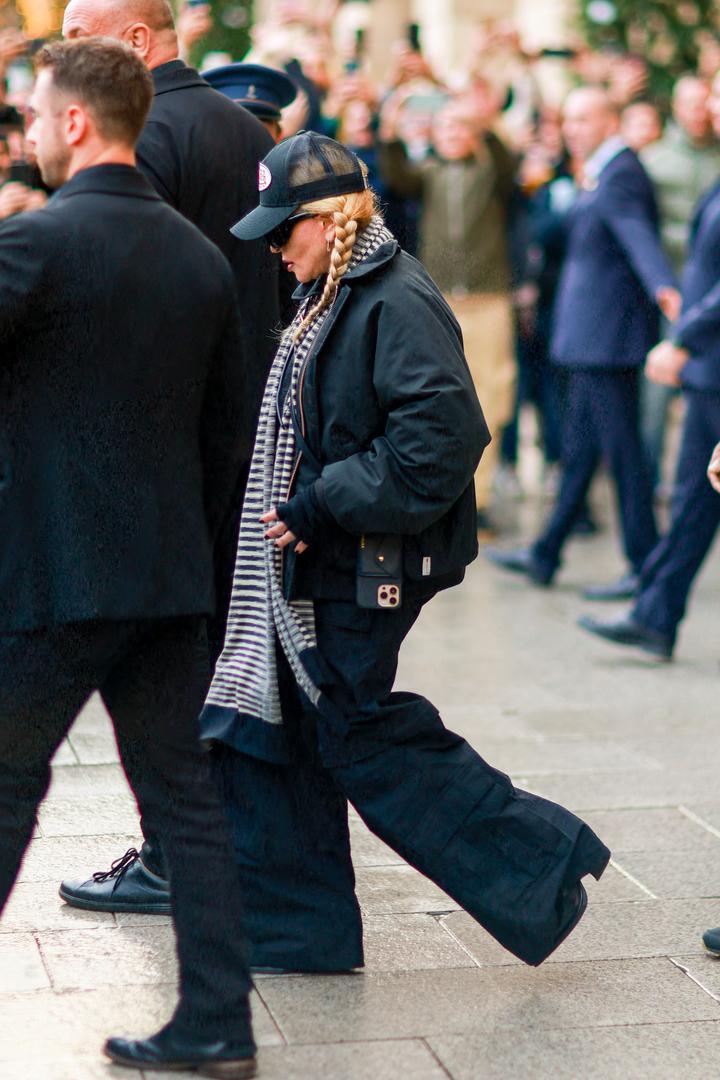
[[359, 509]]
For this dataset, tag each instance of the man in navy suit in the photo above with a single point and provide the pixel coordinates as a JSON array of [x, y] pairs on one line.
[[691, 360], [613, 283]]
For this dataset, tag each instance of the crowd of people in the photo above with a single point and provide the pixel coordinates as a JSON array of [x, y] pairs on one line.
[[184, 438]]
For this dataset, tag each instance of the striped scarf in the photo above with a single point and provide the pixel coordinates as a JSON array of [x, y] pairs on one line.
[[245, 677]]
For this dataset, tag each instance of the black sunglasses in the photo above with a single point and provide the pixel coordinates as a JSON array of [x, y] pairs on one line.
[[279, 236]]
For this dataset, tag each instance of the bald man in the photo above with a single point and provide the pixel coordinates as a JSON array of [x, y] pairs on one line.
[[606, 319], [200, 152]]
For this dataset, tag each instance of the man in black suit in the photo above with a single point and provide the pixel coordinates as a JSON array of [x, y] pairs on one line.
[[201, 153], [124, 427]]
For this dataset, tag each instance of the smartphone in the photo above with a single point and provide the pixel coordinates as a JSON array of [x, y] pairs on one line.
[[413, 36], [560, 54], [22, 172]]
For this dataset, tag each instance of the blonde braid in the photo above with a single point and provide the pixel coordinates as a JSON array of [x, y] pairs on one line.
[[349, 213]]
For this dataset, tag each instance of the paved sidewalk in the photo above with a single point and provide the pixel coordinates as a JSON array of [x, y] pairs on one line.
[[630, 744]]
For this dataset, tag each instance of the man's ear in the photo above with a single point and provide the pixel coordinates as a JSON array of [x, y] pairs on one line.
[[76, 124], [138, 37]]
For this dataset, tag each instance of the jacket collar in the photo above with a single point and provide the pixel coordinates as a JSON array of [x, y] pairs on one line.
[[107, 180], [371, 265], [175, 75]]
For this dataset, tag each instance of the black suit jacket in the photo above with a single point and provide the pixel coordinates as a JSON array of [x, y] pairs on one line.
[[200, 151], [123, 406]]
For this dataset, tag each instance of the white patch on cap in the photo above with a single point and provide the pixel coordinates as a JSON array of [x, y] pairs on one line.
[[264, 177]]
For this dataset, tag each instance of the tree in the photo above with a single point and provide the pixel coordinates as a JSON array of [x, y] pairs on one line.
[[670, 34]]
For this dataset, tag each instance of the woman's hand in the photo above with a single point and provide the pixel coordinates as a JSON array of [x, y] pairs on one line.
[[281, 534]]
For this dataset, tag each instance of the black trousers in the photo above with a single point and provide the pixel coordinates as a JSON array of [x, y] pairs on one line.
[[602, 422], [152, 676], [669, 571], [505, 855]]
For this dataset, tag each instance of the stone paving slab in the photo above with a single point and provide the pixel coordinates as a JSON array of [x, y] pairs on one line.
[[110, 956], [37, 906], [422, 1003], [104, 814], [399, 890], [368, 850], [48, 1026], [632, 790], [542, 755], [21, 966], [55, 858], [647, 1052], [411, 943], [91, 780], [652, 829], [702, 966], [644, 928], [689, 872], [409, 1058]]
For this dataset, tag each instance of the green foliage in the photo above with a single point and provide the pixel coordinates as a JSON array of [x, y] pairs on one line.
[[669, 33], [232, 20]]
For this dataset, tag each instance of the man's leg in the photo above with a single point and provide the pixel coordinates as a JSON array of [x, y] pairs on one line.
[[580, 459], [617, 413], [154, 696], [669, 572], [44, 681]]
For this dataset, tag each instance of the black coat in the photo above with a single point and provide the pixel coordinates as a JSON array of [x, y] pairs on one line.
[[391, 418], [200, 151], [123, 406]]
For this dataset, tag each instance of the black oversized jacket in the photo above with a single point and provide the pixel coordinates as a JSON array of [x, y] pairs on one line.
[[394, 432], [123, 406]]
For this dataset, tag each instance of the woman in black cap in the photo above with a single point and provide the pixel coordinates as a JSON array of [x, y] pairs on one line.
[[359, 508]]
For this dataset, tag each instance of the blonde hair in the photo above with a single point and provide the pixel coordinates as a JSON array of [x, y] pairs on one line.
[[350, 213]]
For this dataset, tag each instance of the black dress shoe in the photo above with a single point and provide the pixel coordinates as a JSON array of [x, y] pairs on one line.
[[520, 561], [711, 941], [178, 1053], [625, 588], [127, 886], [627, 631]]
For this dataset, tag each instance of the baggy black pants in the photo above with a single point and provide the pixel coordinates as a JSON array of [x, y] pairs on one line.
[[152, 676], [503, 854]]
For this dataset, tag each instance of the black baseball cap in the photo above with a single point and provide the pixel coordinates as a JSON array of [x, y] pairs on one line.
[[298, 170]]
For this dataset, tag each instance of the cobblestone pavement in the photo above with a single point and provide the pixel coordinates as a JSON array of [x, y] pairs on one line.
[[630, 744]]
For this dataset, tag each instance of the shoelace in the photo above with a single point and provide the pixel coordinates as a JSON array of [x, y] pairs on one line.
[[119, 867]]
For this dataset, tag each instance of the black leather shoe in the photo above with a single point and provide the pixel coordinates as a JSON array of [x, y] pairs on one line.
[[711, 941], [520, 561], [627, 631], [625, 588], [127, 886], [178, 1053]]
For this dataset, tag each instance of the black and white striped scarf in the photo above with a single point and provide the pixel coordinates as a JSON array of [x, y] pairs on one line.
[[245, 677]]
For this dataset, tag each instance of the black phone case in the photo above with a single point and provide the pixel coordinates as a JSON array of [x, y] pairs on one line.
[[379, 571]]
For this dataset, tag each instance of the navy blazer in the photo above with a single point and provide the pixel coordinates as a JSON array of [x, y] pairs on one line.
[[698, 329], [605, 312], [124, 422]]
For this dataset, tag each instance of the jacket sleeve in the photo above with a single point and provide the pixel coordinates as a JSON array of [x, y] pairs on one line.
[[24, 250], [435, 432], [698, 328], [226, 425], [625, 212], [399, 174], [159, 162]]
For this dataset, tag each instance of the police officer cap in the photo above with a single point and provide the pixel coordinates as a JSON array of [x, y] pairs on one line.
[[261, 90]]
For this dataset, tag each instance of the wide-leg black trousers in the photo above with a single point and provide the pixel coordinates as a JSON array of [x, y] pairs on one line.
[[503, 854]]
